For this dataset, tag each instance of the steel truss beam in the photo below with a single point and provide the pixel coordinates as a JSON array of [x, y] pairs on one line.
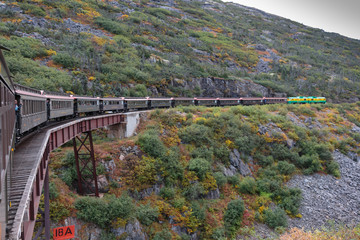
[[85, 164]]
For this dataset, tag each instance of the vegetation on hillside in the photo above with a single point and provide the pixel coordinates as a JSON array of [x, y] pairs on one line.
[[122, 48], [187, 154]]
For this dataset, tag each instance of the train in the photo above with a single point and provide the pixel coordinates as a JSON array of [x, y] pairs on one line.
[[24, 109], [36, 107]]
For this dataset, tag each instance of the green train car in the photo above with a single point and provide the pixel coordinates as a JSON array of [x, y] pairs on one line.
[[303, 100]]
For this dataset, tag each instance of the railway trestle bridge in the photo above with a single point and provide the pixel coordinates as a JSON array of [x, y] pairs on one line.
[[30, 170]]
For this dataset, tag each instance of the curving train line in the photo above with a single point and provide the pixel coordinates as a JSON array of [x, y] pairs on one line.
[[24, 109]]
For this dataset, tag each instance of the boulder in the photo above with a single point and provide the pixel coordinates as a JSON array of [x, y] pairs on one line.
[[147, 191], [103, 184], [356, 129], [238, 164], [230, 171], [354, 156], [83, 230], [181, 231], [131, 231], [213, 194], [263, 66]]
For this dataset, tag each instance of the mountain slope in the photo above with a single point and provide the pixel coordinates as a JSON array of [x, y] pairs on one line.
[[139, 48]]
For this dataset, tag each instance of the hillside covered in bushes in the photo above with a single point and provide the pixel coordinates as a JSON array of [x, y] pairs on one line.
[[142, 48], [214, 173]]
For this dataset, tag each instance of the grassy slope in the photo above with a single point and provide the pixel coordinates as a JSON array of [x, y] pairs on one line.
[[184, 151], [140, 44]]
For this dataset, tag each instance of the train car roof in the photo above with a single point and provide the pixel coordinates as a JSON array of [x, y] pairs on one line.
[[159, 98], [205, 98], [183, 98], [32, 94], [275, 98], [113, 98], [86, 98], [251, 98], [228, 99], [59, 97], [136, 99]]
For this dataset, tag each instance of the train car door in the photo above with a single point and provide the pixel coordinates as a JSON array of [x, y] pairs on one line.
[[75, 107], [48, 102]]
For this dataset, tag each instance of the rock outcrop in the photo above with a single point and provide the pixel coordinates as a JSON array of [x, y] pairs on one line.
[[131, 231], [236, 165], [218, 87], [83, 230]]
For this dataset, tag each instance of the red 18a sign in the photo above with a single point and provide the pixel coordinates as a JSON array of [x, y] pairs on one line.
[[66, 232]]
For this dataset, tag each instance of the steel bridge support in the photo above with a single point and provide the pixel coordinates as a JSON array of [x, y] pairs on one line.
[[86, 165], [45, 214]]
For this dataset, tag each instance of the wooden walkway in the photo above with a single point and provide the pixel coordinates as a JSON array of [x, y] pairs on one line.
[[24, 161]]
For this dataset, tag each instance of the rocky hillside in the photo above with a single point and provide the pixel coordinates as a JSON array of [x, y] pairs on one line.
[[144, 47], [220, 173]]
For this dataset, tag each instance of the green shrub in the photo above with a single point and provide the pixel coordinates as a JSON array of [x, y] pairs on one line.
[[233, 216], [198, 211], [146, 214], [196, 134], [24, 46], [34, 9], [324, 152], [267, 185], [139, 90], [264, 161], [69, 175], [194, 191], [53, 192], [220, 179], [311, 163], [167, 193], [218, 234], [246, 144], [222, 154], [66, 60], [178, 202], [234, 180], [289, 199], [356, 137], [282, 153], [151, 144], [332, 167], [102, 211], [106, 235], [202, 152], [200, 166], [59, 211], [276, 218], [171, 165], [247, 185], [285, 168], [163, 235], [120, 207], [93, 210], [112, 26]]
